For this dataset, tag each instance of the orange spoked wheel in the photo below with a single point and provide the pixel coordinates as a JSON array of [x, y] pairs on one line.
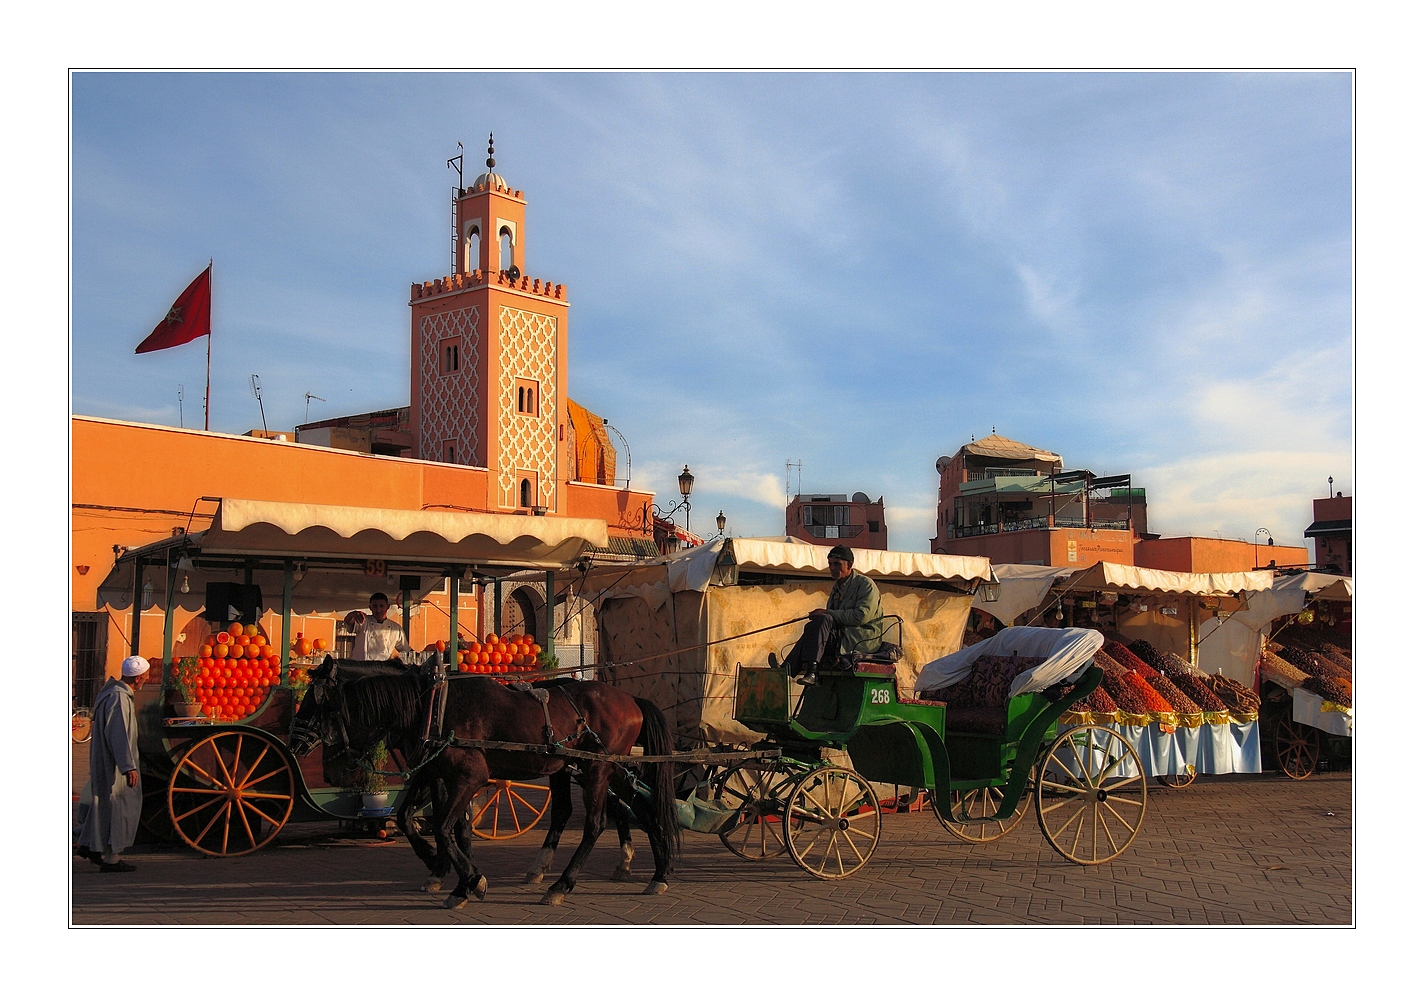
[[506, 809], [230, 793]]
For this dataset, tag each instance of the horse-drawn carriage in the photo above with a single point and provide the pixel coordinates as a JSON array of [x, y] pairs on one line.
[[227, 787]]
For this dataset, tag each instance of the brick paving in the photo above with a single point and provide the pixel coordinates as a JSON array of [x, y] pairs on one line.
[[1258, 850]]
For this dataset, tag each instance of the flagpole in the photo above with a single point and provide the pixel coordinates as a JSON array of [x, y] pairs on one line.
[[208, 387]]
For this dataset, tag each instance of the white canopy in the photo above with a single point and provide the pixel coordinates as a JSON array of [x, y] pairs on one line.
[[1021, 587], [1067, 653], [720, 562], [1108, 577], [345, 553], [1319, 585]]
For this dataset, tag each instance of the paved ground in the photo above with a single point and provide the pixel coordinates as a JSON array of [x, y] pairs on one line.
[[1228, 850]]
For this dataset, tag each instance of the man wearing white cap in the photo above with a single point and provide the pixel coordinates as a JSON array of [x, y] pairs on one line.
[[113, 771]]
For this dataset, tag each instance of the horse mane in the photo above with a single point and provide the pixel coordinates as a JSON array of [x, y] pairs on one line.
[[383, 702]]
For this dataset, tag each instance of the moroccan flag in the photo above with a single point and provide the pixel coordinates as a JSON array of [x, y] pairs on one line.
[[190, 317]]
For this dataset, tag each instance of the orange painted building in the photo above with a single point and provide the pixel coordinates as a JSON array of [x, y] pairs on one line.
[[1332, 529], [489, 429], [828, 520], [1209, 554]]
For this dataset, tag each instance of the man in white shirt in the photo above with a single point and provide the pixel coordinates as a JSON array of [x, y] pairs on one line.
[[377, 638]]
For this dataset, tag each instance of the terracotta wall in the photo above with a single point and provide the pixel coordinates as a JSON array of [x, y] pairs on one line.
[[1208, 554]]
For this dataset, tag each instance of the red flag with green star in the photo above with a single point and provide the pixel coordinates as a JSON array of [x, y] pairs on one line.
[[190, 317]]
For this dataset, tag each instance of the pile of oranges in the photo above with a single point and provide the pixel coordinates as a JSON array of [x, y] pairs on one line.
[[236, 668], [303, 651], [499, 655]]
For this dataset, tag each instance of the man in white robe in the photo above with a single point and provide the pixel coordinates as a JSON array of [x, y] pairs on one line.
[[113, 771]]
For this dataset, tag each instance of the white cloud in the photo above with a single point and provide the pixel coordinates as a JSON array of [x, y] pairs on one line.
[[910, 527]]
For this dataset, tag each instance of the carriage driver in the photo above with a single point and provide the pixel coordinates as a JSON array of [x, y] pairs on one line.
[[377, 638], [849, 623]]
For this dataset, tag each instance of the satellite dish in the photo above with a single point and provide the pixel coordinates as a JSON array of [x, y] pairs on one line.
[[860, 497], [513, 272]]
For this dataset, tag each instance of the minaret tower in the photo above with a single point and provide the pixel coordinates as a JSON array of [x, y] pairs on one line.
[[489, 357]]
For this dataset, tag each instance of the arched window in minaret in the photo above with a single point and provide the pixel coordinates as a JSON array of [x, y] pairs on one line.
[[472, 249], [506, 248], [526, 494]]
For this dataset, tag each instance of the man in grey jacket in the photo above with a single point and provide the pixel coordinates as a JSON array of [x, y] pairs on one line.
[[850, 623], [113, 771]]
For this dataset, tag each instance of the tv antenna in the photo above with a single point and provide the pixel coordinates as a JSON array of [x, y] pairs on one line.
[[309, 397], [257, 393], [180, 406], [789, 466]]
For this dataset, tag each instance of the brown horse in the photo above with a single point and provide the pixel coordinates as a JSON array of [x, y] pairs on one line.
[[588, 716]]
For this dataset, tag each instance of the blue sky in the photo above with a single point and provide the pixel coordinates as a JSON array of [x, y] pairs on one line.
[[1147, 273]]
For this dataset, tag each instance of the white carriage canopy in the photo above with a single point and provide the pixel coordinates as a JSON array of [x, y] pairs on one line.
[[649, 611], [341, 554], [1065, 653]]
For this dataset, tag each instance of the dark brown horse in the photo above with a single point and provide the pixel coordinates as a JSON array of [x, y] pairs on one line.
[[588, 716]]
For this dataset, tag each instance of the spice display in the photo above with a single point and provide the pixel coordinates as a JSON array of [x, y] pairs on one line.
[[1280, 671], [1331, 689], [1181, 703], [1173, 665], [1108, 664], [1199, 692], [1237, 697], [1128, 698], [1337, 656], [1127, 659], [1147, 653], [1097, 701], [1321, 667], [1155, 703]]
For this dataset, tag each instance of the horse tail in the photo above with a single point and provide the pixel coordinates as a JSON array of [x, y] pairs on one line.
[[656, 739]]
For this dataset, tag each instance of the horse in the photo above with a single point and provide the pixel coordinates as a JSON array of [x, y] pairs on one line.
[[588, 716], [419, 788]]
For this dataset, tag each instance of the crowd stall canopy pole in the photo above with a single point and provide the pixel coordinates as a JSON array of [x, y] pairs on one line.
[[453, 656], [168, 612], [498, 627], [286, 620], [405, 613], [549, 610], [136, 611]]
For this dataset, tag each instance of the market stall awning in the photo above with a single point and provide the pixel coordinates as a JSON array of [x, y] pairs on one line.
[[1021, 587], [722, 562], [1319, 585], [1107, 577], [341, 554]]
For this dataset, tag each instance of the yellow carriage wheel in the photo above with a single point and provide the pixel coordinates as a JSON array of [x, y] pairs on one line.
[[230, 793], [505, 809]]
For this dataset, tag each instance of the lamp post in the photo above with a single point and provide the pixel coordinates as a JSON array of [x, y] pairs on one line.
[[1257, 545], [684, 485]]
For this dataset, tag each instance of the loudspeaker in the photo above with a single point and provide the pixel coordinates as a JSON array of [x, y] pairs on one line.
[[228, 602]]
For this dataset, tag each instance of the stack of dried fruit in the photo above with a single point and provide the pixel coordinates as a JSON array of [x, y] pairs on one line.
[[1200, 693], [1338, 655], [1331, 689], [1245, 705], [1173, 664], [1098, 707], [1147, 653], [1276, 669]]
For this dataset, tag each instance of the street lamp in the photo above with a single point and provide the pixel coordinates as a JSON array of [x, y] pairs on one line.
[[1256, 547], [721, 522], [684, 485]]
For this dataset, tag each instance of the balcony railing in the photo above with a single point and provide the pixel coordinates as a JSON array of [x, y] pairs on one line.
[[843, 532], [1040, 523], [984, 473]]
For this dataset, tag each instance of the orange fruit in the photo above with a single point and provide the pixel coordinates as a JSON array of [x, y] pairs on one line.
[[206, 651], [235, 630], [223, 637], [304, 647], [320, 644], [440, 645], [242, 640], [259, 640], [250, 630], [534, 649], [253, 651], [220, 651]]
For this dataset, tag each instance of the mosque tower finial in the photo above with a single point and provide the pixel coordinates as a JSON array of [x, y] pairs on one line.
[[490, 161]]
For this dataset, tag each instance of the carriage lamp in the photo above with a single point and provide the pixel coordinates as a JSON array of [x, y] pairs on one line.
[[989, 591], [684, 482]]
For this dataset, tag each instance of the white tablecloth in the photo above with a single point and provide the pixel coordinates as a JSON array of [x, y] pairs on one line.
[[1215, 749]]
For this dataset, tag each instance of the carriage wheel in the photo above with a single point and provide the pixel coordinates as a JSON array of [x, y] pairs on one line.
[[982, 803], [757, 791], [1180, 781], [1089, 808], [504, 809], [230, 793], [1297, 748], [81, 725], [832, 823]]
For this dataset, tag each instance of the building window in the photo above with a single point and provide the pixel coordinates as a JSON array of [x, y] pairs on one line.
[[472, 250], [447, 451], [526, 396], [449, 357], [506, 248], [825, 515], [526, 494], [873, 525]]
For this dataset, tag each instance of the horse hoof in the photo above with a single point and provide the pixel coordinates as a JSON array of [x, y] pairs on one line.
[[552, 899], [455, 901], [621, 875], [433, 885], [534, 877], [654, 888], [480, 888]]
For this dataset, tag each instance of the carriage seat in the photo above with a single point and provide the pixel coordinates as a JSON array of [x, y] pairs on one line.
[[881, 661], [975, 720]]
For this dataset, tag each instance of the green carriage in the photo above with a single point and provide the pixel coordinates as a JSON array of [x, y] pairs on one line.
[[980, 771]]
